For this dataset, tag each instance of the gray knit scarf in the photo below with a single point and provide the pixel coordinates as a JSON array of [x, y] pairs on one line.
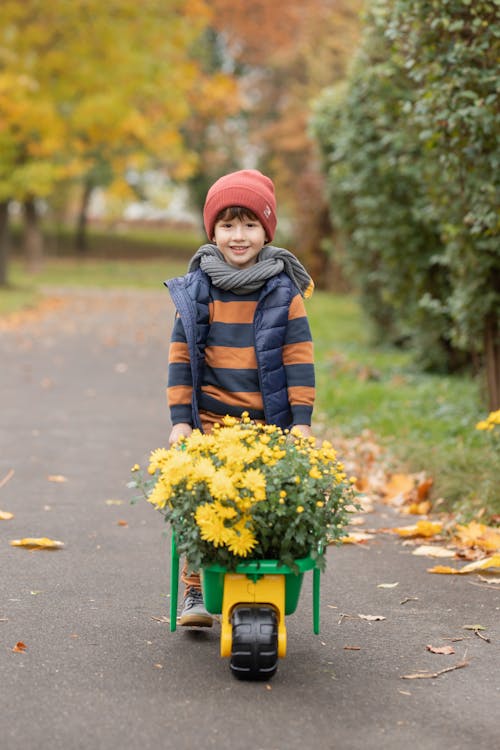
[[270, 262]]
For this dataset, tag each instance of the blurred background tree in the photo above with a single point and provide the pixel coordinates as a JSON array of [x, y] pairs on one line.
[[90, 90], [410, 150]]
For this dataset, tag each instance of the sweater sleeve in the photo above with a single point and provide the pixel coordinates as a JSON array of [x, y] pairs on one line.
[[180, 382], [298, 359]]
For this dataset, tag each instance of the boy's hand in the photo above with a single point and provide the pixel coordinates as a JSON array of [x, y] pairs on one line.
[[182, 429], [304, 429]]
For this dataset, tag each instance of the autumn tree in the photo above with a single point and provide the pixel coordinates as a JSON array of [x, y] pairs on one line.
[[90, 88]]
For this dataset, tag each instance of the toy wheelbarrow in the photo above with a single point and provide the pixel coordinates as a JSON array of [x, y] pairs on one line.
[[253, 601]]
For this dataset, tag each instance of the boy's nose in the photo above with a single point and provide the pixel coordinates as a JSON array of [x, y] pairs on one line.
[[237, 231]]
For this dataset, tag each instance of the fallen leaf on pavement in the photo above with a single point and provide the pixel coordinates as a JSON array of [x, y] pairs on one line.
[[477, 631], [356, 537], [490, 579], [37, 543], [387, 585], [5, 515], [372, 618], [421, 508], [484, 564], [429, 550], [57, 478], [122, 523], [352, 648], [441, 649], [19, 647], [421, 528], [478, 535], [398, 487], [473, 627], [114, 502]]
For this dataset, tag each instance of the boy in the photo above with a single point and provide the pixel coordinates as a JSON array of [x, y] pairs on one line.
[[241, 340]]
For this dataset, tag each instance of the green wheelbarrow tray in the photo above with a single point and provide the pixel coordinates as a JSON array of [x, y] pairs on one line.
[[212, 582]]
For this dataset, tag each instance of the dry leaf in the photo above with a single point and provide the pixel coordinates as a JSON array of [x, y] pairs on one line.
[[37, 543], [57, 478], [356, 537], [441, 649], [421, 528], [398, 487], [490, 579], [372, 618], [484, 564], [20, 647], [5, 515], [478, 535], [122, 523], [424, 488], [387, 585], [114, 502], [444, 569], [421, 508], [473, 627], [431, 551], [487, 562], [352, 648]]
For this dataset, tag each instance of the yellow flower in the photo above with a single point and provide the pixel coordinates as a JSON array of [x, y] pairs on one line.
[[241, 540], [320, 503], [212, 527], [255, 481], [158, 458], [281, 501], [282, 493], [315, 473], [296, 479], [135, 467], [300, 508], [222, 486]]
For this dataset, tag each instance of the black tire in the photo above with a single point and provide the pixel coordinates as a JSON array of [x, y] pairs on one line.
[[254, 653]]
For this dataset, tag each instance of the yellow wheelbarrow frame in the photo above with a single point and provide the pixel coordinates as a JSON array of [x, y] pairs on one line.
[[257, 582]]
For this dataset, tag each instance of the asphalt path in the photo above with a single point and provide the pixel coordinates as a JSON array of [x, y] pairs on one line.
[[82, 398]]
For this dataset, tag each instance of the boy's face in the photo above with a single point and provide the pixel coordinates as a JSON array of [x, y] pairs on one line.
[[239, 240]]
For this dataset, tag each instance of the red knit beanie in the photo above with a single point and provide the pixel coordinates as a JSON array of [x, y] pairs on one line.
[[248, 188]]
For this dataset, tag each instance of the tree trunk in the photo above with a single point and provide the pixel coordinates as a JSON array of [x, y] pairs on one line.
[[4, 241], [492, 361], [81, 226], [33, 239]]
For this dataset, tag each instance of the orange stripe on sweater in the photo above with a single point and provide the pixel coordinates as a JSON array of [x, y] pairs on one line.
[[297, 308], [232, 312], [231, 357], [250, 399], [301, 394], [300, 353], [179, 394], [178, 352]]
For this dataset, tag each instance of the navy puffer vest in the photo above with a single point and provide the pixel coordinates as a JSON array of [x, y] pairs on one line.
[[191, 297]]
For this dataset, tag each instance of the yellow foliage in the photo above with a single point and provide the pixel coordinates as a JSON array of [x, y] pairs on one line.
[[425, 529]]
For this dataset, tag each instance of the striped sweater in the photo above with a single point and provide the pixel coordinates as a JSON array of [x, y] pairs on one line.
[[230, 382]]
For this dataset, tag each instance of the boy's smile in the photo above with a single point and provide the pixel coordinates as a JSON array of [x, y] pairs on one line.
[[240, 241]]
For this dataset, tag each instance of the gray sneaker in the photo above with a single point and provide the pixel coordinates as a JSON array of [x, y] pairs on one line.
[[194, 612]]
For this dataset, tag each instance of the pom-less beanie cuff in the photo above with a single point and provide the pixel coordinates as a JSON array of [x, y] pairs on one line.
[[248, 188]]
